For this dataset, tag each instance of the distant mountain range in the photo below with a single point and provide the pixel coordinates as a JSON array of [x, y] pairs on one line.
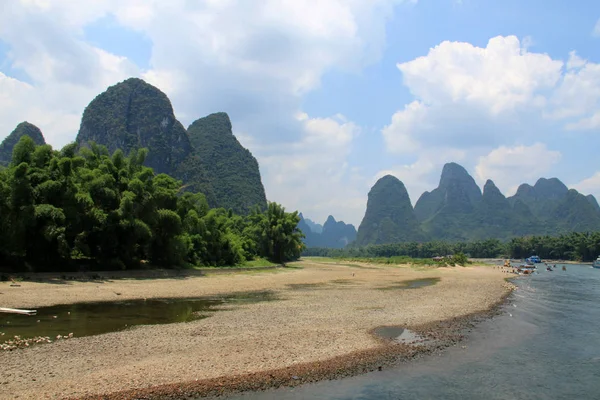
[[206, 156], [333, 234], [458, 210]]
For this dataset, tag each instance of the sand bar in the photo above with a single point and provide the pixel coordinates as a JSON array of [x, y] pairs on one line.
[[313, 324]]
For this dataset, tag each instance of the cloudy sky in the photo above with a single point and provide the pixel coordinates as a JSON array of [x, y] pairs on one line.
[[330, 95]]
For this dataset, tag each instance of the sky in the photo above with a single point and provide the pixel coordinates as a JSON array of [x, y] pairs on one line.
[[331, 95]]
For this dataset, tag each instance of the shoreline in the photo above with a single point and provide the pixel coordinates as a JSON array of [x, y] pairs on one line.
[[447, 333], [320, 328]]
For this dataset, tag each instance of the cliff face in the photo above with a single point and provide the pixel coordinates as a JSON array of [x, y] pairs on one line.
[[389, 217], [207, 157], [232, 170], [134, 114], [23, 129]]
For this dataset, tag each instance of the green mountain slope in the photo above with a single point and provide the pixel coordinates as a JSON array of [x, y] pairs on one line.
[[458, 211], [232, 170], [23, 129], [389, 217], [134, 114]]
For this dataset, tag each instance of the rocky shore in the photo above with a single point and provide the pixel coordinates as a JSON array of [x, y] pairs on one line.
[[320, 330]]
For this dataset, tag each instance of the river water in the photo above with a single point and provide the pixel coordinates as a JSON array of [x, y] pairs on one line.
[[546, 345]]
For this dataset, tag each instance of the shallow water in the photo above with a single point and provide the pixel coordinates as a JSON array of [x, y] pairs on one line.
[[86, 319], [545, 346]]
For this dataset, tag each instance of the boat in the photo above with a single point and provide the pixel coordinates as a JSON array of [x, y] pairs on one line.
[[534, 260], [596, 264]]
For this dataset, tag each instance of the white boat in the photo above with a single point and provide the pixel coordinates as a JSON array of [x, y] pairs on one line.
[[596, 264]]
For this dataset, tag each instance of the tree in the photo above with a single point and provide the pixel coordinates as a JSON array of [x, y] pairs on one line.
[[276, 233]]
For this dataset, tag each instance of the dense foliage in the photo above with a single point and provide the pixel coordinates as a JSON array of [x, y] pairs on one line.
[[62, 209], [575, 246]]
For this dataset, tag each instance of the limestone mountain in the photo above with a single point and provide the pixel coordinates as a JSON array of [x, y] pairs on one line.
[[389, 216], [443, 210], [134, 114], [542, 197], [232, 169], [559, 208], [574, 212], [311, 239], [494, 217], [593, 202], [23, 129], [456, 192], [317, 228], [208, 158], [458, 210], [335, 234]]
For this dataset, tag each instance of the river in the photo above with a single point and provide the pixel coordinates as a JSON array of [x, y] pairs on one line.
[[546, 345]]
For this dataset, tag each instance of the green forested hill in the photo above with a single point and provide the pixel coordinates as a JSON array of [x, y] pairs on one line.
[[389, 217], [458, 211], [134, 114], [23, 129], [207, 157], [232, 170]]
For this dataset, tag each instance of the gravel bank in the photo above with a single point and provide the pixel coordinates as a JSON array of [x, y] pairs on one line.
[[316, 332]]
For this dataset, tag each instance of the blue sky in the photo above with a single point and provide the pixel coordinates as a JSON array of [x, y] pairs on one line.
[[331, 95]]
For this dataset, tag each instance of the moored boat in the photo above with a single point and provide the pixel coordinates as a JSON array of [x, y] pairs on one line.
[[596, 264]]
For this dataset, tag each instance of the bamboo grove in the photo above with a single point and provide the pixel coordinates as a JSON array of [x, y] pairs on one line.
[[65, 209]]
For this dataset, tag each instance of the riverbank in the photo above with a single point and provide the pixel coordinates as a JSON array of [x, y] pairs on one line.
[[320, 330]]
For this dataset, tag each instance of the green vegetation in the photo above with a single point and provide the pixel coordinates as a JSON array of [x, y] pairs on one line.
[[389, 217], [23, 129], [65, 209], [232, 169], [207, 158], [457, 211], [575, 246], [132, 115], [458, 259]]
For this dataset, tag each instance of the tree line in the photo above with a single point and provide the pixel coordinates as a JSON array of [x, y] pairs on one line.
[[574, 246], [61, 209]]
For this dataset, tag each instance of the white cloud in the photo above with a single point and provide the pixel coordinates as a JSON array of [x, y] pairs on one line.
[[253, 60], [499, 77], [313, 174], [577, 98], [589, 185], [65, 72], [468, 96], [424, 173], [510, 166]]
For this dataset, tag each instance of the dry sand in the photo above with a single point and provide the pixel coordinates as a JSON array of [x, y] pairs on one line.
[[311, 325]]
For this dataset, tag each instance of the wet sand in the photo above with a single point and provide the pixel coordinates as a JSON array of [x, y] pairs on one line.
[[320, 330]]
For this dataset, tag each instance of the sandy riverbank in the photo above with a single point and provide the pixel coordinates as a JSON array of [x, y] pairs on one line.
[[309, 335]]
